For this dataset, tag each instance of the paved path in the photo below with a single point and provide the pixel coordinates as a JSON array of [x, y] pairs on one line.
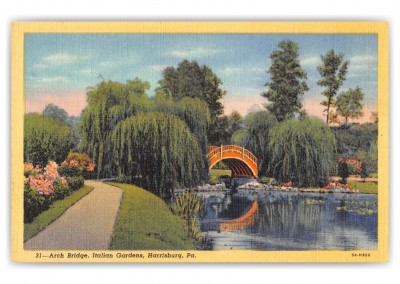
[[86, 225]]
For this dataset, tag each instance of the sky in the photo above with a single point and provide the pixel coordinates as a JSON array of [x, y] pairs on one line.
[[59, 67]]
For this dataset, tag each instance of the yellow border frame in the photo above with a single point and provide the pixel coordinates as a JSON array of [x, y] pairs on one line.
[[18, 108]]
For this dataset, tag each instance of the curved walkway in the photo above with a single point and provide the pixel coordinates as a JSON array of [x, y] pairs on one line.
[[86, 225]]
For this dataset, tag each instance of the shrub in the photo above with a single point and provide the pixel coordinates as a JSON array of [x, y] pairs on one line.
[[75, 182], [42, 187], [34, 203], [188, 206], [45, 139], [77, 164]]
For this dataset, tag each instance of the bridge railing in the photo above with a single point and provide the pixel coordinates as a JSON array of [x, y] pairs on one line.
[[214, 151]]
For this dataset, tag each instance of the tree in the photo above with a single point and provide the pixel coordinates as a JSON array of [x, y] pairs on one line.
[[109, 103], [364, 171], [45, 139], [287, 84], [349, 104], [56, 112], [343, 171], [195, 81], [157, 151], [333, 72], [302, 151], [256, 135], [333, 118], [224, 127]]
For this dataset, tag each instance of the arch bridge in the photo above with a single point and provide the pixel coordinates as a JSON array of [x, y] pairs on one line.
[[240, 161]]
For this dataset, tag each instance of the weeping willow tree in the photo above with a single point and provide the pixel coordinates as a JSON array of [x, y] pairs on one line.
[[302, 151], [255, 136], [108, 103], [157, 151]]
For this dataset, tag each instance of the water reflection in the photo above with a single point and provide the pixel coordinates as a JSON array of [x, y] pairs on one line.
[[290, 221]]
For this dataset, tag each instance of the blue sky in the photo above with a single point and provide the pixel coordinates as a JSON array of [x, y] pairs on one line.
[[59, 67]]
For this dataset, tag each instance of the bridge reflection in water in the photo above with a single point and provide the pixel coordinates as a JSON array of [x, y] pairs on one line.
[[242, 222], [287, 221]]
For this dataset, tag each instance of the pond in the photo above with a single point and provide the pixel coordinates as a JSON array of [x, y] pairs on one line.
[[273, 220]]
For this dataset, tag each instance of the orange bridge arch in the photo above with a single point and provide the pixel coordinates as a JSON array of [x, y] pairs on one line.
[[240, 161]]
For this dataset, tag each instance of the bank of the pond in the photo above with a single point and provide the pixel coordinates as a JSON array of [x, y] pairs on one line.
[[54, 212], [144, 222]]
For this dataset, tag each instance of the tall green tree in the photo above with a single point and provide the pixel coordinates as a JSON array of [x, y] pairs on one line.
[[349, 104], [45, 139], [302, 151], [287, 85], [189, 79], [333, 71], [108, 103], [255, 136], [157, 151]]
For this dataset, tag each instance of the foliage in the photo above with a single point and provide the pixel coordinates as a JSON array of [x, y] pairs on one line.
[[45, 139], [43, 186], [221, 131], [158, 151], [56, 112], [343, 171], [301, 151], [77, 164], [288, 83], [349, 104], [162, 230], [75, 182], [54, 212], [364, 171], [256, 135], [188, 206], [195, 81], [358, 141], [110, 103], [333, 72]]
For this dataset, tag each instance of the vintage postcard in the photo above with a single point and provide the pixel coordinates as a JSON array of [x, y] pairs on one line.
[[200, 142]]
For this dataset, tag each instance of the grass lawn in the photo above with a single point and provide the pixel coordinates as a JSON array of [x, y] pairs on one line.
[[56, 210], [215, 174], [364, 187], [145, 222]]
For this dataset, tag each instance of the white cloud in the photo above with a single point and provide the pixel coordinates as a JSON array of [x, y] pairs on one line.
[[39, 66], [311, 61], [106, 64], [62, 58], [52, 79], [199, 52], [362, 63], [362, 58], [230, 70], [157, 67], [86, 71]]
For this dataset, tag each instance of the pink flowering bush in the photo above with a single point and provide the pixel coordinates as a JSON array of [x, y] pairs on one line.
[[29, 169], [77, 164], [44, 186], [337, 186]]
